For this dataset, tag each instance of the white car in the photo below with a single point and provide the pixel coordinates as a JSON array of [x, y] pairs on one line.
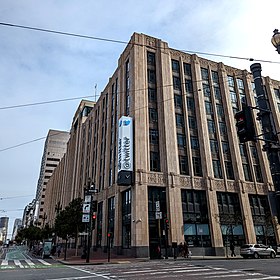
[[256, 251]]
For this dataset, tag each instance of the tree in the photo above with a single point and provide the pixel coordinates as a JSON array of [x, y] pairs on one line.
[[31, 234], [68, 222], [228, 222]]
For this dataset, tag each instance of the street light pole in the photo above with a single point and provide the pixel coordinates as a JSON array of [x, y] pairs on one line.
[[272, 146]]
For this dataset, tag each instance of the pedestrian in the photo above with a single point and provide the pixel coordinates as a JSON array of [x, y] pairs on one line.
[[181, 249], [232, 247], [58, 250], [186, 250]]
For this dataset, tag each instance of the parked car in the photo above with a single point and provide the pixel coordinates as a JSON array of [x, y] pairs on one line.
[[256, 251]]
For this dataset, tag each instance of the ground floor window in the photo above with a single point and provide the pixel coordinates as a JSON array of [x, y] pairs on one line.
[[197, 235], [233, 233], [126, 219], [195, 218]]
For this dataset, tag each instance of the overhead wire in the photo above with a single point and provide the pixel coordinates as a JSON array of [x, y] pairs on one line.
[[126, 43]]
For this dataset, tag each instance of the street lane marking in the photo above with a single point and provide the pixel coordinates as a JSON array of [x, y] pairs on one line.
[[17, 262], [29, 262], [44, 262], [88, 272]]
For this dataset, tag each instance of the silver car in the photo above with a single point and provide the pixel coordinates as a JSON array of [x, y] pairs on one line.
[[256, 251]]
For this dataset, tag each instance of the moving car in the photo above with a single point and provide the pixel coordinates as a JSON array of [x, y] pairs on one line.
[[256, 251]]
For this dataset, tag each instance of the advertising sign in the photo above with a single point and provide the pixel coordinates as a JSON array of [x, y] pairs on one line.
[[125, 144], [125, 151]]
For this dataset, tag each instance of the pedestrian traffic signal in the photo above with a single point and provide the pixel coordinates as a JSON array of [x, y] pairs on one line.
[[245, 125], [93, 221]]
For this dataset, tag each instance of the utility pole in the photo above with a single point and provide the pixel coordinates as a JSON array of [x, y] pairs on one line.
[[270, 138]]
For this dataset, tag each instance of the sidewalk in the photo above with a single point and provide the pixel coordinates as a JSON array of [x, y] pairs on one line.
[[98, 258]]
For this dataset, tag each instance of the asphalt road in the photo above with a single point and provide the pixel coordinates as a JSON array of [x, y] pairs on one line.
[[18, 265]]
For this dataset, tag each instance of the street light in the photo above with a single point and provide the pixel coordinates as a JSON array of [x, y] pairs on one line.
[[275, 40]]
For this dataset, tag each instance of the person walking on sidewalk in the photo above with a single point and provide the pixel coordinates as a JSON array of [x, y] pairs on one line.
[[186, 250], [232, 247]]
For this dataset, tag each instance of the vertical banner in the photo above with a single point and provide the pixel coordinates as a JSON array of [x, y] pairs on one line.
[[125, 151]]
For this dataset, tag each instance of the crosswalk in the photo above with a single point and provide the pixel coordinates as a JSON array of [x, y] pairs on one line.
[[34, 263], [180, 271]]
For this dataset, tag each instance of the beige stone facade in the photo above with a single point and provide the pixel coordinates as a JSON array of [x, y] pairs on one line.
[[186, 155]]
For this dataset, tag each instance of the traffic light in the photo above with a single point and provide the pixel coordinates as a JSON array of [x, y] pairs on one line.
[[93, 221], [166, 223], [245, 125]]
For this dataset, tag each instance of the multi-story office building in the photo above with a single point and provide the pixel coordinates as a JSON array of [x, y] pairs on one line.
[[17, 226], [4, 223], [54, 150], [192, 179]]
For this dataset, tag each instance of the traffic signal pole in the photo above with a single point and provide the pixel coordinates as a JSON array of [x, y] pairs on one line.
[[270, 138]]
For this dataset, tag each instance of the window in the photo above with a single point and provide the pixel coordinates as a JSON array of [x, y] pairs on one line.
[[195, 216], [247, 172], [190, 104], [176, 83], [225, 147], [223, 129], [214, 146], [192, 122], [197, 168], [178, 101], [154, 136], [154, 161], [206, 90], [187, 69], [151, 76], [153, 116], [152, 94], [215, 77], [258, 173], [181, 140], [208, 108], [211, 127], [217, 169], [217, 93], [126, 219], [183, 162], [188, 86], [151, 59], [230, 81], [220, 111], [277, 94], [204, 74], [175, 66], [229, 170], [179, 120], [194, 143]]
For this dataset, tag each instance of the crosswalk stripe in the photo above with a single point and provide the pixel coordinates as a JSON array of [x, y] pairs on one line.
[[30, 262], [4, 262], [44, 262], [17, 262]]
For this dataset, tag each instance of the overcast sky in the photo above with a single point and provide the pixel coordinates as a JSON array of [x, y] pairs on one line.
[[38, 66]]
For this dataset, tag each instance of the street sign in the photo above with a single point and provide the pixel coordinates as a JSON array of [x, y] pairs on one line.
[[83, 233], [85, 218], [93, 190], [158, 215], [86, 208], [158, 206], [88, 198]]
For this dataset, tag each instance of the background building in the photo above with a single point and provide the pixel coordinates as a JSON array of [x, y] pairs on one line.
[[17, 226], [4, 222], [55, 147], [189, 168]]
